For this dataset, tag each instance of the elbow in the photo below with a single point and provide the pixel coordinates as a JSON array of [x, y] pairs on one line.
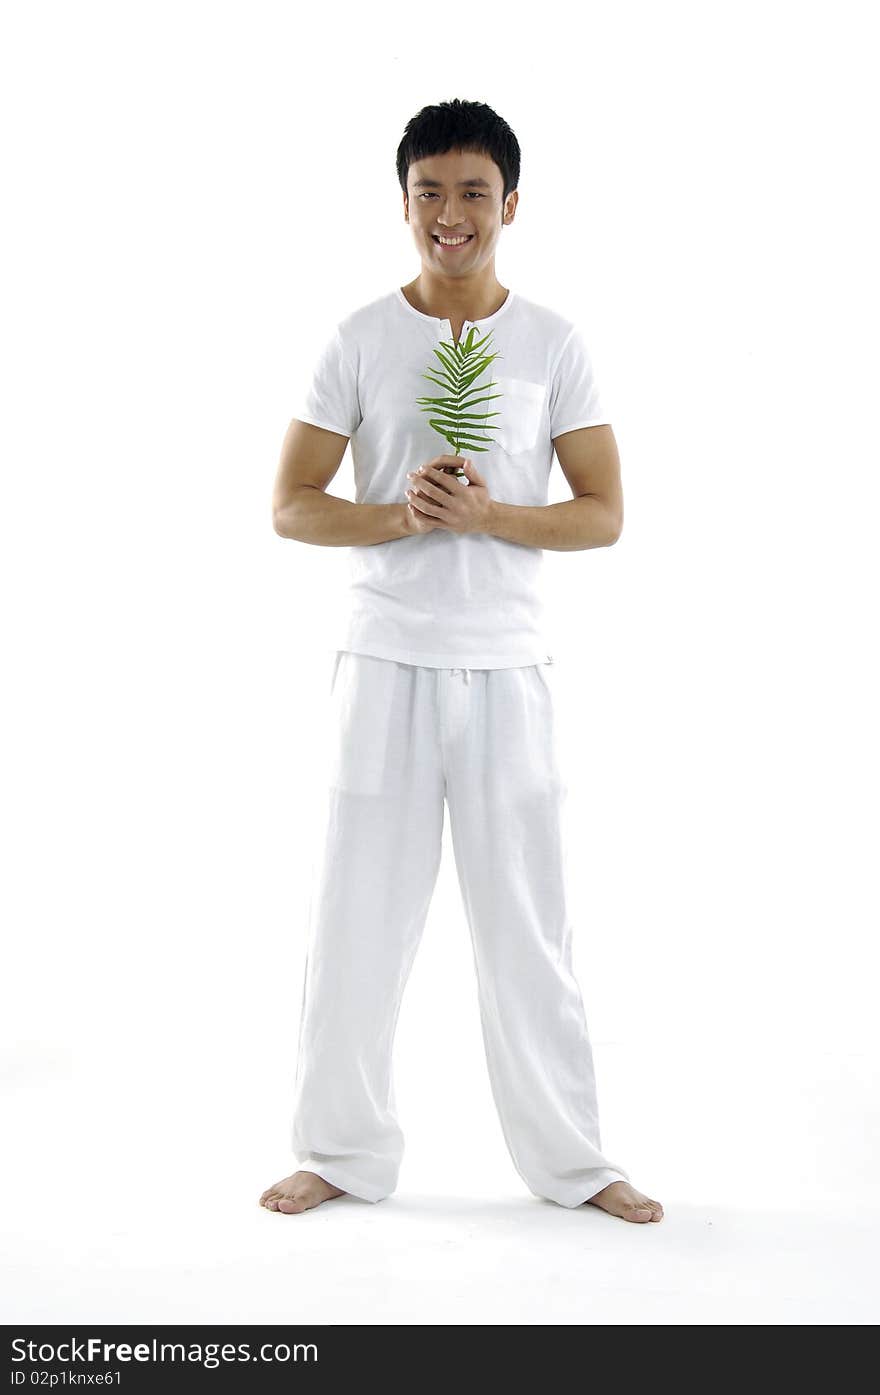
[[283, 519], [616, 526], [605, 521], [288, 518], [284, 524]]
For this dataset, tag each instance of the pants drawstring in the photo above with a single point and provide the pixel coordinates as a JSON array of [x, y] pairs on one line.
[[465, 671]]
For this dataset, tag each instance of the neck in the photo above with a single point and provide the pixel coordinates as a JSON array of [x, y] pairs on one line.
[[466, 299]]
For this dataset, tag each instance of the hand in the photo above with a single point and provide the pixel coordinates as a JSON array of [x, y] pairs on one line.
[[416, 521], [442, 501]]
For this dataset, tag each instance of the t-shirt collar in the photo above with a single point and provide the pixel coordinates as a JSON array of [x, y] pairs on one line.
[[437, 320]]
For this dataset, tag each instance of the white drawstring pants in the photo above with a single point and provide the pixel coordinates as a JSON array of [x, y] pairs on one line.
[[402, 739]]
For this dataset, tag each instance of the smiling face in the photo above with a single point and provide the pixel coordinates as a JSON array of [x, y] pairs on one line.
[[455, 195]]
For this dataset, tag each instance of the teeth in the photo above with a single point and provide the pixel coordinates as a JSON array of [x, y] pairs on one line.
[[452, 241]]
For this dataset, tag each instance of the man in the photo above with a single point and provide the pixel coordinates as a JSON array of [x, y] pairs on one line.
[[440, 692]]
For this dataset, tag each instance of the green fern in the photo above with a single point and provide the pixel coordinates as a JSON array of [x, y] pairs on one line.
[[454, 416]]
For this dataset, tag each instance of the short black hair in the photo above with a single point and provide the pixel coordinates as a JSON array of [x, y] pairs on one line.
[[460, 125]]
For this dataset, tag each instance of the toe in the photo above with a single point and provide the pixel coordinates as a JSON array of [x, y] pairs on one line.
[[292, 1205], [639, 1213]]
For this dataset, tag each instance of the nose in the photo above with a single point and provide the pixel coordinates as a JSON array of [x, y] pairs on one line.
[[450, 216]]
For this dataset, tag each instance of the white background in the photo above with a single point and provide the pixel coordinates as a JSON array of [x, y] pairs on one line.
[[195, 193]]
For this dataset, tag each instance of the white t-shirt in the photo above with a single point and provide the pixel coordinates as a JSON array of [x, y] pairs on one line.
[[446, 599]]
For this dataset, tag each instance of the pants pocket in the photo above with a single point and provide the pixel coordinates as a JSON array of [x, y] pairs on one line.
[[361, 715], [547, 676], [337, 659]]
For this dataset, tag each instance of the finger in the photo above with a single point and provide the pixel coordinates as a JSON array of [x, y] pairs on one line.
[[423, 506], [426, 516], [431, 490], [436, 476]]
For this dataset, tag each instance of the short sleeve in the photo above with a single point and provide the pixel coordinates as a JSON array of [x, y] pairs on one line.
[[331, 398], [575, 397]]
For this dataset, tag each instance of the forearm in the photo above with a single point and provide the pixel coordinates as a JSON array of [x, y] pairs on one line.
[[313, 516], [567, 527]]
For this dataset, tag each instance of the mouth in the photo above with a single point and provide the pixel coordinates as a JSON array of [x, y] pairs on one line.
[[452, 246]]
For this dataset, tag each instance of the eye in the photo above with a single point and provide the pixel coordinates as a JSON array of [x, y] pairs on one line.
[[471, 193]]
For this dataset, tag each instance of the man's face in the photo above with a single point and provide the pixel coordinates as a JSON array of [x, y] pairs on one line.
[[451, 205]]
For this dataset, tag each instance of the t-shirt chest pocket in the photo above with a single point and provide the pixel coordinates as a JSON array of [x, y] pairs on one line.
[[522, 406]]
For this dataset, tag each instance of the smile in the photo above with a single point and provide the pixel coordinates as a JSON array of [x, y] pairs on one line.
[[455, 242]]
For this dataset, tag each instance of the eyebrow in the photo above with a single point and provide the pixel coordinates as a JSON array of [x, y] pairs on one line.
[[436, 184]]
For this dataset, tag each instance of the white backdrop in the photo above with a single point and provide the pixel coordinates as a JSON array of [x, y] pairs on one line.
[[194, 197]]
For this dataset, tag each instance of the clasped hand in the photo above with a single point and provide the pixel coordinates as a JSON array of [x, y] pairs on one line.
[[442, 501]]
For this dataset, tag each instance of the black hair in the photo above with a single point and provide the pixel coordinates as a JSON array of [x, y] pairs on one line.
[[459, 125]]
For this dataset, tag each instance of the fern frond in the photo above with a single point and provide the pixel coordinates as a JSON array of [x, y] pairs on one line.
[[453, 415]]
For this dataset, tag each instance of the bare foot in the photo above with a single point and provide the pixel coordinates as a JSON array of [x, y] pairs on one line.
[[620, 1199], [300, 1192]]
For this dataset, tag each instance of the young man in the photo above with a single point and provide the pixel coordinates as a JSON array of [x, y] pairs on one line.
[[440, 692]]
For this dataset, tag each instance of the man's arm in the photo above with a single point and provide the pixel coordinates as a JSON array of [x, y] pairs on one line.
[[310, 457], [593, 518]]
